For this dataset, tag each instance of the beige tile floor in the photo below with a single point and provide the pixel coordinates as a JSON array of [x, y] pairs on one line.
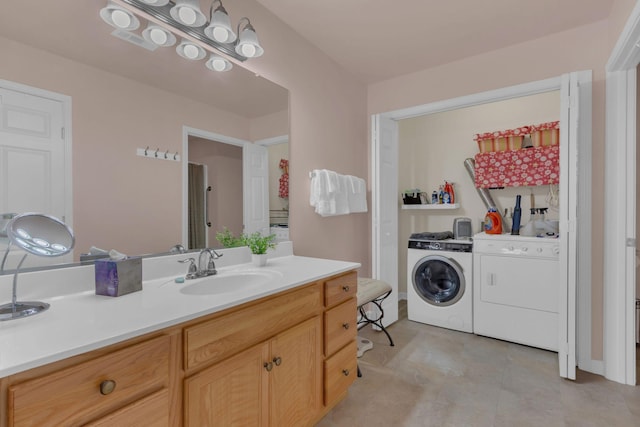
[[439, 377]]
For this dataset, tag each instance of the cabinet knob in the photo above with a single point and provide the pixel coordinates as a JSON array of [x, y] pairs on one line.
[[268, 366], [346, 288], [107, 386], [345, 325], [277, 361], [345, 372]]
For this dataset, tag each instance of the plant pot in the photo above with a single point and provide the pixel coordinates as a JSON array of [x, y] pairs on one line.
[[259, 260]]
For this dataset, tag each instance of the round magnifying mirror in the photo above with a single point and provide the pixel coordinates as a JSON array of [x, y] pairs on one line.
[[41, 235]]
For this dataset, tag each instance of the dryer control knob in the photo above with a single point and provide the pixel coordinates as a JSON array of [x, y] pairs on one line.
[[539, 250], [556, 250], [524, 249]]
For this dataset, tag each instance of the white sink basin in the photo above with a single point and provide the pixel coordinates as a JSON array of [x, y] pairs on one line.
[[232, 281]]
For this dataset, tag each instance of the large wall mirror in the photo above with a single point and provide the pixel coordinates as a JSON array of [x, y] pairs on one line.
[[123, 98]]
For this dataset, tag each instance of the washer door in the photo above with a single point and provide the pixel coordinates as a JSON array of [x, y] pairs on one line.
[[438, 280]]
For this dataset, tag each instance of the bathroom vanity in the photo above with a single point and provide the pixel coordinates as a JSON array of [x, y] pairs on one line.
[[283, 355]]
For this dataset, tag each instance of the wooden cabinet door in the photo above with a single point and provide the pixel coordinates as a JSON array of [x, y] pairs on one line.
[[233, 392], [296, 377]]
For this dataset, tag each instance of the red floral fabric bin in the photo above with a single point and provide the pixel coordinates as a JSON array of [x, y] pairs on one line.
[[526, 167]]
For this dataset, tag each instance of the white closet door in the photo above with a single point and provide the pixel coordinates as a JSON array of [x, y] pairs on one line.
[[34, 170], [255, 160], [575, 143], [385, 210]]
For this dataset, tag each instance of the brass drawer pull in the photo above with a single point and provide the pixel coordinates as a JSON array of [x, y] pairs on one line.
[[345, 372], [346, 288], [277, 361], [107, 386], [268, 366], [345, 325]]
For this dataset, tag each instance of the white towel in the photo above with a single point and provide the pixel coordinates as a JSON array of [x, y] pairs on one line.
[[357, 195], [320, 195], [335, 194]]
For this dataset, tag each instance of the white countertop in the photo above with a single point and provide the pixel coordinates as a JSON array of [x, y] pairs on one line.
[[82, 321]]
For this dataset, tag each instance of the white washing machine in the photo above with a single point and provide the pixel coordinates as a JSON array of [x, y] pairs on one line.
[[439, 283]]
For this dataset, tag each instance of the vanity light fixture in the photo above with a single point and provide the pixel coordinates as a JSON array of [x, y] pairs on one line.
[[219, 28], [119, 17], [159, 36], [190, 50], [187, 12], [169, 19], [218, 63], [248, 44], [155, 2]]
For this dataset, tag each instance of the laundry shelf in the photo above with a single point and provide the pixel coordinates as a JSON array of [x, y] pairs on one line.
[[432, 207]]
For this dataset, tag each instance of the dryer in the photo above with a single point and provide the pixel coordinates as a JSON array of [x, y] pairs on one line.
[[439, 283]]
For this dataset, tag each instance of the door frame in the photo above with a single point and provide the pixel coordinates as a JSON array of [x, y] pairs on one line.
[[188, 131], [620, 198], [583, 299]]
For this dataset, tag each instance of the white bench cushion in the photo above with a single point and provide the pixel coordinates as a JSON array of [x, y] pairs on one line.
[[370, 289]]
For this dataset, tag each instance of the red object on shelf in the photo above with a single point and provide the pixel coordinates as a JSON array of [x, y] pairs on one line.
[[526, 167]]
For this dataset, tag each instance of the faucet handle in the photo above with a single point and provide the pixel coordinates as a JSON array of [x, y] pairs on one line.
[[193, 269], [215, 255]]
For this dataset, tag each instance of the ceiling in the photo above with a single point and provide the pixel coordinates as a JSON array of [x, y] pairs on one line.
[[373, 39], [380, 39]]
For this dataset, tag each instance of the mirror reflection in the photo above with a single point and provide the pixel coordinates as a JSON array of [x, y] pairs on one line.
[[69, 145]]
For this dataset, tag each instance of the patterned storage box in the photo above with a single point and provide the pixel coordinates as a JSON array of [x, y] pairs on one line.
[[545, 134], [505, 140], [528, 167]]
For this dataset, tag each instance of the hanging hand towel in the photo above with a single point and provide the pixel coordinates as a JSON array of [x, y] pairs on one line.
[[357, 194]]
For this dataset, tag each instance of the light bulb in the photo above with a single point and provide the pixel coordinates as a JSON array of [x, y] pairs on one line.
[[248, 50], [218, 64], [187, 15], [190, 51], [121, 18], [158, 36], [220, 34]]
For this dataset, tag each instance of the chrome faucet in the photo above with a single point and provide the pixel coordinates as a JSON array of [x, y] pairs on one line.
[[207, 268]]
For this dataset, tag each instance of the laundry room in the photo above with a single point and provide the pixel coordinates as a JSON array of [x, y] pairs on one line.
[[432, 151]]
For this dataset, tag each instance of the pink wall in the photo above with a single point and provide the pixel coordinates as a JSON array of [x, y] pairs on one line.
[[328, 129]]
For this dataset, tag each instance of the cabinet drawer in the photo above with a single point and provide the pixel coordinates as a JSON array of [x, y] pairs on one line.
[[340, 372], [227, 334], [152, 411], [73, 395], [340, 289], [339, 326]]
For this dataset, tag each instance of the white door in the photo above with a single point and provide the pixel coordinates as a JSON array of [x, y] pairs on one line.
[[575, 202], [255, 178], [385, 210], [33, 158]]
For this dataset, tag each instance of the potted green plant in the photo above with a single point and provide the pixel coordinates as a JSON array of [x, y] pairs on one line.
[[259, 244], [228, 240]]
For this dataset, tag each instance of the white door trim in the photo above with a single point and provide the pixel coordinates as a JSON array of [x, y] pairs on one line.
[[188, 131], [620, 200], [584, 228], [65, 100]]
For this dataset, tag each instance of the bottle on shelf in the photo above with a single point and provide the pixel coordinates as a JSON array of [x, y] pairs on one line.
[[448, 188], [517, 213]]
